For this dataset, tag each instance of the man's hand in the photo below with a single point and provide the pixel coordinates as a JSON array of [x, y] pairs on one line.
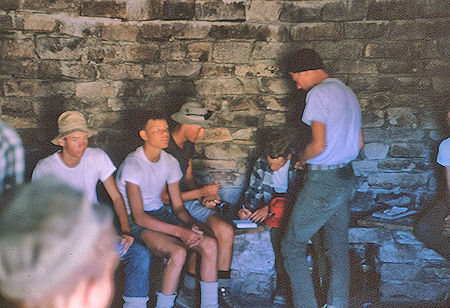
[[210, 201], [301, 164], [244, 213], [125, 241], [260, 215], [210, 190], [191, 237]]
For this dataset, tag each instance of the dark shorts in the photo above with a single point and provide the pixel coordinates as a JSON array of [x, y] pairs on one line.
[[164, 214]]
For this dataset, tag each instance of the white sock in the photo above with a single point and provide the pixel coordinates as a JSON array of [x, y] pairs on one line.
[[135, 301], [165, 300], [209, 294]]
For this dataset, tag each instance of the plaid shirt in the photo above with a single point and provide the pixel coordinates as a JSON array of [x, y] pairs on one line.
[[260, 188], [12, 162]]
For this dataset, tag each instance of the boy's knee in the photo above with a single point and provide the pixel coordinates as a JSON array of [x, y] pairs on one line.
[[178, 255], [220, 226], [209, 245], [225, 231]]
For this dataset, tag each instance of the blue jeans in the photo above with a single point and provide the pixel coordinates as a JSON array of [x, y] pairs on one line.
[[322, 202], [137, 270]]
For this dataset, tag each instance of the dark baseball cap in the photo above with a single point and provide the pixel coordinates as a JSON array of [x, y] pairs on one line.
[[303, 60]]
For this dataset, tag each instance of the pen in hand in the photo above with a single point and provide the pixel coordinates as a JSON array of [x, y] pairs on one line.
[[244, 212]]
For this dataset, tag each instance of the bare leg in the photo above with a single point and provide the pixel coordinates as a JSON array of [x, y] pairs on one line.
[[224, 234], [192, 260], [167, 246], [208, 252]]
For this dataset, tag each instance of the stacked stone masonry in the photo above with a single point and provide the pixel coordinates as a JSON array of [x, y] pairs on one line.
[[408, 271], [110, 56], [107, 58]]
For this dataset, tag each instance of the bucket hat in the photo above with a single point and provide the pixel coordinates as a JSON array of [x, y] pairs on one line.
[[192, 113], [71, 122]]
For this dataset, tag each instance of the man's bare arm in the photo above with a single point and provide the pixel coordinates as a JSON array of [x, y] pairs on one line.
[[195, 191], [361, 140], [118, 203], [144, 220], [318, 142]]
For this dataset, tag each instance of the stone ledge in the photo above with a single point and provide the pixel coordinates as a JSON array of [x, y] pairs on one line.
[[402, 261]]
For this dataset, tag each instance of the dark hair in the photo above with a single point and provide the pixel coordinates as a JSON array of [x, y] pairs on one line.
[[144, 116], [277, 142], [302, 60], [136, 119]]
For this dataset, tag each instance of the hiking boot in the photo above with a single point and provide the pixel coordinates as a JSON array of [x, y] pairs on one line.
[[225, 299], [187, 298]]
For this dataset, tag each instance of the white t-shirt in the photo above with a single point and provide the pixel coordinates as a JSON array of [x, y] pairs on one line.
[[280, 178], [149, 176], [94, 166], [334, 104], [443, 157]]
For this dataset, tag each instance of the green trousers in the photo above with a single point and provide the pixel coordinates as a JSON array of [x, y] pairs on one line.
[[322, 202]]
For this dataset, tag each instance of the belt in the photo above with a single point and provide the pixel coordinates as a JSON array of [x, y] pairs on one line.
[[327, 167]]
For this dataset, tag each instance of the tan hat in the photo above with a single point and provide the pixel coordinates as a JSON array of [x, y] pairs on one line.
[[47, 230], [71, 122], [192, 113]]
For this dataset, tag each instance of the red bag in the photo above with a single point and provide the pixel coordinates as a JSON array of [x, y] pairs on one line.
[[277, 207]]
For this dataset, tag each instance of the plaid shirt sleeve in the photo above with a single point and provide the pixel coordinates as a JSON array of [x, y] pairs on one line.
[[260, 188], [12, 162]]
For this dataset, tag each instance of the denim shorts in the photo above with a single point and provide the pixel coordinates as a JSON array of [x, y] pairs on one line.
[[164, 214], [198, 210]]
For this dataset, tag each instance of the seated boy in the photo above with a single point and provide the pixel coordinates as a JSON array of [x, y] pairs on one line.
[[190, 126], [168, 230], [82, 167], [274, 175]]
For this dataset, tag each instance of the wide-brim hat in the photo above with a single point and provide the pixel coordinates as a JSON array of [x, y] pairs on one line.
[[192, 113], [71, 122]]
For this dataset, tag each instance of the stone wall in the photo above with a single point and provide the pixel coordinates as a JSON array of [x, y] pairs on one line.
[[107, 58], [408, 271]]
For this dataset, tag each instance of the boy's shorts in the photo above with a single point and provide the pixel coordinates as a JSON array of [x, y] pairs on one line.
[[198, 210], [164, 214]]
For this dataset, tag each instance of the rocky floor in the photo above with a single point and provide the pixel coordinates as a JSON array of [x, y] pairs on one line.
[[363, 295]]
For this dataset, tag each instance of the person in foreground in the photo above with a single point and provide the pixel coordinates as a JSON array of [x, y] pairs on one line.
[[168, 230], [200, 202], [332, 110], [433, 226], [82, 167], [274, 178], [56, 249]]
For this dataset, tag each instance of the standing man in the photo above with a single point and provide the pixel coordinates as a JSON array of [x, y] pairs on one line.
[[81, 168], [12, 163], [332, 110], [200, 201], [168, 230]]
